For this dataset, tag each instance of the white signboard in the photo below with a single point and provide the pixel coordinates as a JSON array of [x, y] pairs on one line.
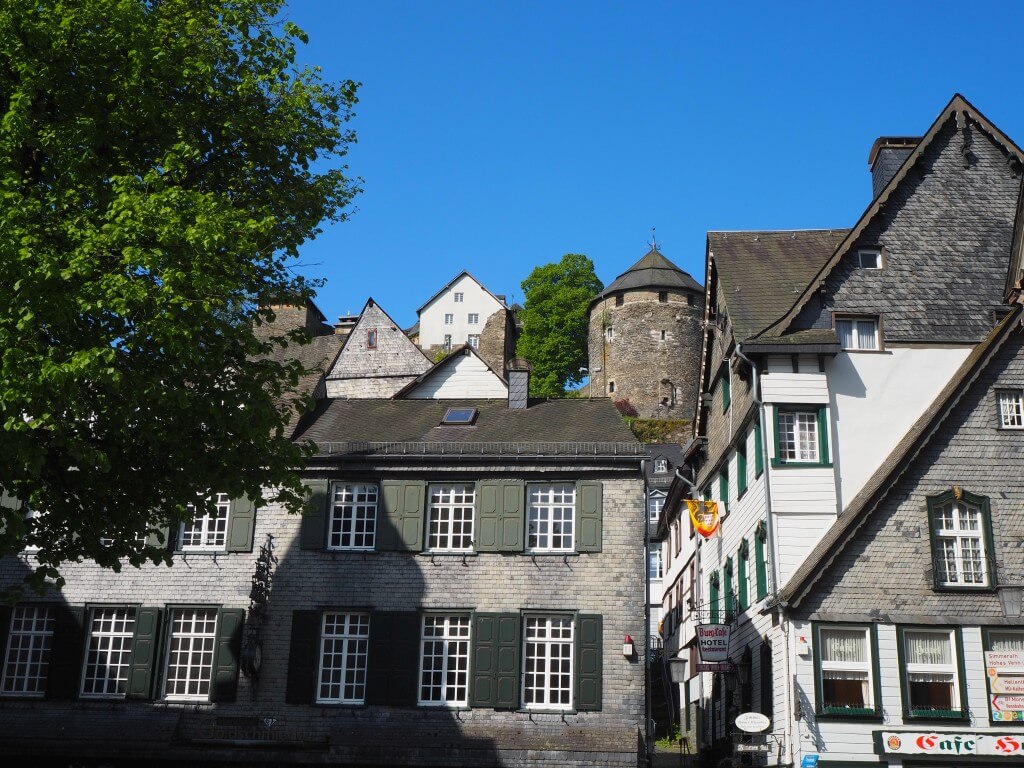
[[752, 722], [1006, 661], [1011, 685], [713, 641], [1006, 709], [1006, 685], [952, 744]]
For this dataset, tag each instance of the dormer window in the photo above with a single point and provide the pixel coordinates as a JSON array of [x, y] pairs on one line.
[[869, 259], [661, 466], [857, 333]]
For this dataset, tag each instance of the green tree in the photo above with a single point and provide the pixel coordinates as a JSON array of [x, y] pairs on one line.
[[554, 337], [161, 161]]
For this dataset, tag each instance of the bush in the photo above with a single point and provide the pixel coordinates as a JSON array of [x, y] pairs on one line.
[[625, 408]]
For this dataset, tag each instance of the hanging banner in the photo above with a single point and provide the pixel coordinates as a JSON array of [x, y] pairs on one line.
[[704, 516], [713, 642]]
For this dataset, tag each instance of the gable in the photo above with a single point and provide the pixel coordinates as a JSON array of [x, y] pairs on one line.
[[395, 354], [469, 285], [461, 376]]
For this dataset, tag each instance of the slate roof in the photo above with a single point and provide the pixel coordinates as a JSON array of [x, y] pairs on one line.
[[763, 273], [317, 357], [957, 106], [673, 453], [563, 422], [918, 437], [652, 271]]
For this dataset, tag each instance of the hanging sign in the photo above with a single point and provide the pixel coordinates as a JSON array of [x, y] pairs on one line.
[[704, 516], [713, 641], [952, 744], [752, 722], [1005, 671]]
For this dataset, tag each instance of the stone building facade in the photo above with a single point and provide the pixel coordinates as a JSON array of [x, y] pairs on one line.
[[644, 339]]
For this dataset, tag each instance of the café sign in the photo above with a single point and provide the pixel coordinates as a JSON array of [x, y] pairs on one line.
[[713, 641], [952, 744]]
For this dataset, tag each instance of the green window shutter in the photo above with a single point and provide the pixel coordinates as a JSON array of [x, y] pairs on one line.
[[226, 653], [588, 663], [142, 663], [66, 652], [990, 543], [241, 521], [729, 606], [741, 469], [588, 516], [822, 436], [742, 578], [760, 562], [726, 391], [487, 525], [494, 680], [378, 663], [401, 515], [713, 597], [758, 450], [513, 515], [303, 657], [932, 501], [405, 659], [313, 534], [723, 487]]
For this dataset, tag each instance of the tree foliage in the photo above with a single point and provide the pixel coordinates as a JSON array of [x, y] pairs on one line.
[[554, 337], [161, 161]]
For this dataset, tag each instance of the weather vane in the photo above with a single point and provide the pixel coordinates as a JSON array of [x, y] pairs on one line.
[[654, 241]]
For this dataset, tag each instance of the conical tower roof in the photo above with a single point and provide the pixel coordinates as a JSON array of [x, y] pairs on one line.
[[652, 271]]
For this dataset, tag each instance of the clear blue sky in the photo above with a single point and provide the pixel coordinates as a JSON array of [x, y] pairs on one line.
[[496, 136]]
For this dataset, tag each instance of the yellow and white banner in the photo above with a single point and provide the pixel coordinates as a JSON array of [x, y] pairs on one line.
[[704, 516]]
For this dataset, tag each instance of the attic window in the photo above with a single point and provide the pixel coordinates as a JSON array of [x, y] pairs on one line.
[[869, 259], [459, 416], [371, 338]]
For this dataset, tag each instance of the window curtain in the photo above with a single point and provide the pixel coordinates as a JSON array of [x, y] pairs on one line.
[[844, 328], [1006, 641], [930, 649], [843, 645]]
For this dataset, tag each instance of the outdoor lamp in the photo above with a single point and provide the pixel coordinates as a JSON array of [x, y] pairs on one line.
[[677, 669], [1010, 597]]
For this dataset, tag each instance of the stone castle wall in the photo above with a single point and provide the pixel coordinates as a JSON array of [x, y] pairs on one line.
[[652, 342]]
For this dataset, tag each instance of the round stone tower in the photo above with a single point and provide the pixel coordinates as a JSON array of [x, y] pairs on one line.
[[645, 339]]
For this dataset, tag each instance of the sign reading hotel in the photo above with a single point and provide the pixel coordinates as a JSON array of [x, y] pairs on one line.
[[952, 744], [713, 641], [1005, 670]]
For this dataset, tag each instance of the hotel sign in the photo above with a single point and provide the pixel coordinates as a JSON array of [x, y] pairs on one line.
[[952, 744], [713, 641]]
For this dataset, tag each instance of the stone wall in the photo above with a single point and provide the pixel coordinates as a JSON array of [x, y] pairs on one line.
[[653, 341]]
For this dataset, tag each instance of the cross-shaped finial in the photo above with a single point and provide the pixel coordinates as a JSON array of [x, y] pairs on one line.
[[654, 241]]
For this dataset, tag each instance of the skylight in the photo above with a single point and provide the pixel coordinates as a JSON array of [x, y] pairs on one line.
[[459, 416]]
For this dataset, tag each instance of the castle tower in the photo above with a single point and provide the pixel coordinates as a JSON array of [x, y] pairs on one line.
[[645, 336]]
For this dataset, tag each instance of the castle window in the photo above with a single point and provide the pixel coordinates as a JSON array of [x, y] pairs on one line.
[[662, 335], [611, 387], [663, 296], [609, 333], [689, 299], [619, 299]]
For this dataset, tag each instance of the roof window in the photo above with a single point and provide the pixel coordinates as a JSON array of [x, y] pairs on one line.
[[459, 416]]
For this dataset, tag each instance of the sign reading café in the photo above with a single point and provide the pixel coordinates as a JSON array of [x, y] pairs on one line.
[[952, 744]]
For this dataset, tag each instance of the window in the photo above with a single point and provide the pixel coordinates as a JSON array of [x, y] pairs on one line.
[[723, 488], [474, 340], [547, 662], [191, 643], [459, 416], [550, 517], [655, 565], [207, 532], [108, 652], [450, 518], [371, 338], [845, 658], [857, 333], [760, 562], [473, 318], [663, 296], [931, 682], [611, 387], [655, 503], [27, 661], [741, 468], [344, 645], [1011, 408], [444, 661], [729, 597], [449, 319], [661, 466], [662, 335], [619, 299], [609, 333], [459, 297], [726, 392], [353, 516], [743, 576], [960, 537], [869, 259], [447, 341], [800, 436]]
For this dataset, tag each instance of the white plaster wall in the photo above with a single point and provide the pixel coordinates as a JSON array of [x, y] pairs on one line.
[[465, 376], [875, 398], [794, 388], [475, 300]]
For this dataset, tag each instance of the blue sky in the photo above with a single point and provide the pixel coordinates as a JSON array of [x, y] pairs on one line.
[[496, 136]]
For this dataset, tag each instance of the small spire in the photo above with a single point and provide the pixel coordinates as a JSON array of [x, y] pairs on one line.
[[654, 241]]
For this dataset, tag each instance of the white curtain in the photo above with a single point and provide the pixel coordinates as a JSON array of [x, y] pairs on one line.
[[1006, 641], [928, 648], [844, 645], [867, 331], [845, 330]]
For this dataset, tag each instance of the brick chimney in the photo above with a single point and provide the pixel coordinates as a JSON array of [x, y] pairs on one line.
[[517, 372], [886, 156]]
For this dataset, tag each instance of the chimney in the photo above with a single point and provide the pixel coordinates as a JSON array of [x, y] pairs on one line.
[[886, 156], [518, 374], [345, 324]]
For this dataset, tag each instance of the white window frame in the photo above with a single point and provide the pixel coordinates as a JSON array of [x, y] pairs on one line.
[[473, 340], [1010, 407], [951, 669], [862, 340], [655, 503], [660, 466], [957, 535], [26, 662], [449, 643], [546, 507], [609, 333], [865, 667], [537, 636], [187, 643], [801, 437], [447, 341], [655, 562], [459, 296], [473, 318], [358, 503], [448, 505], [876, 255], [352, 635], [207, 527], [109, 637], [449, 318]]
